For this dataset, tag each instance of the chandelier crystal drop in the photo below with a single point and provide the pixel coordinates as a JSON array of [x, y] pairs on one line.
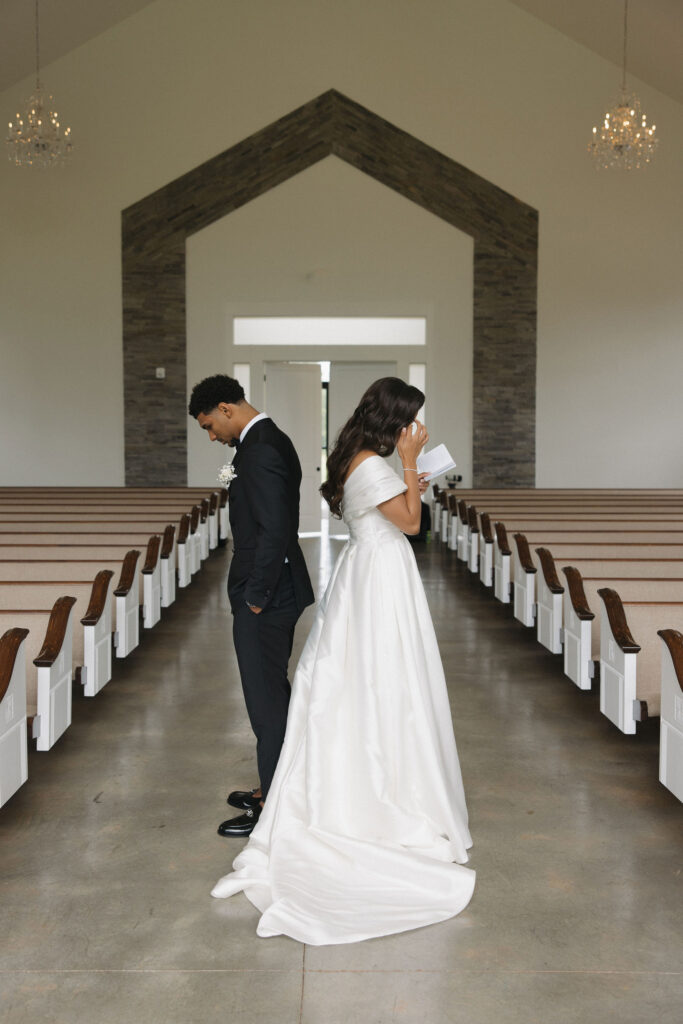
[[36, 138], [623, 140]]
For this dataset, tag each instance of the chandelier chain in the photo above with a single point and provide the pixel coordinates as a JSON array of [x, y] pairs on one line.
[[37, 47], [626, 35], [36, 138], [624, 139]]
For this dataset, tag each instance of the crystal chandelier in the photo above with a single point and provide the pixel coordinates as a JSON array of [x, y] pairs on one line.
[[623, 140], [36, 138]]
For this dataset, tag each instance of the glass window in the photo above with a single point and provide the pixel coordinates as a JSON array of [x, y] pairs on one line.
[[324, 330]]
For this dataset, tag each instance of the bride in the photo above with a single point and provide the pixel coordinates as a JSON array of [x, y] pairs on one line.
[[366, 814]]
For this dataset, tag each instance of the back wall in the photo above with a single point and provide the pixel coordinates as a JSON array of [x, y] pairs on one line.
[[481, 81], [332, 241]]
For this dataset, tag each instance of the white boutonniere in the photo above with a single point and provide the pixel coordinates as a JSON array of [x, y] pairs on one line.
[[226, 474]]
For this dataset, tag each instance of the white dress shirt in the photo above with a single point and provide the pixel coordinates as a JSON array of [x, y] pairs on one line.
[[250, 424]]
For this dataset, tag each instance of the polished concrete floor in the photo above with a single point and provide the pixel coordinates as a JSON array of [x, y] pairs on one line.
[[109, 852]]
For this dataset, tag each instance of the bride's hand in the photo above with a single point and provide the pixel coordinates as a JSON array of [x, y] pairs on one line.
[[411, 442]]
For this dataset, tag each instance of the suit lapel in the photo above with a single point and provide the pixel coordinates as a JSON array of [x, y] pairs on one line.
[[252, 436]]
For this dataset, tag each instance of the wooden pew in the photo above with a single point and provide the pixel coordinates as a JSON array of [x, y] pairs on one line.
[[223, 516], [80, 525], [630, 669], [13, 739], [76, 525], [524, 568], [162, 571], [569, 518], [213, 508], [563, 615], [561, 495], [128, 591], [486, 549], [92, 629], [519, 519], [442, 517], [22, 544], [436, 511], [566, 620], [473, 539], [627, 581], [584, 606], [671, 721], [452, 536], [48, 655], [122, 489], [516, 520], [629, 688], [462, 526], [502, 561], [491, 557]]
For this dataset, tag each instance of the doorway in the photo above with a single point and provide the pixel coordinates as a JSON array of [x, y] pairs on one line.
[[311, 401], [348, 381], [292, 394]]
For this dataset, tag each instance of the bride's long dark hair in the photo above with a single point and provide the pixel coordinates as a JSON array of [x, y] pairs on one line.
[[386, 407]]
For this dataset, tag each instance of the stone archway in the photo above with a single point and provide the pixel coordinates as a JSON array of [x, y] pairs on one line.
[[505, 233]]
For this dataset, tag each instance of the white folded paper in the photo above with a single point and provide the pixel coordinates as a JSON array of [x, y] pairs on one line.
[[436, 462]]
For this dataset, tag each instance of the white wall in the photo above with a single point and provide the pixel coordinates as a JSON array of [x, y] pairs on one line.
[[480, 80], [333, 242]]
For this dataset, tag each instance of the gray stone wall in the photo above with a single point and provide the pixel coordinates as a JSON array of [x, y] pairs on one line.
[[505, 231]]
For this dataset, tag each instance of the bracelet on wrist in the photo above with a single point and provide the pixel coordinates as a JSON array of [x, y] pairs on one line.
[[408, 469]]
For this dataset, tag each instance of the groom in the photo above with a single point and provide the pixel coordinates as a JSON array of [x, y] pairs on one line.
[[268, 582]]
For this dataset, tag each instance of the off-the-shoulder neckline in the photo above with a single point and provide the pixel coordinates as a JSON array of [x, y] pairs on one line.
[[369, 459]]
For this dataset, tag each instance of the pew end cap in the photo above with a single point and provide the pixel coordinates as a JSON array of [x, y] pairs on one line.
[[617, 620]]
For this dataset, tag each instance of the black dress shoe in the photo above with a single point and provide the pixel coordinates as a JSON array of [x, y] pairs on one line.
[[242, 798], [242, 826]]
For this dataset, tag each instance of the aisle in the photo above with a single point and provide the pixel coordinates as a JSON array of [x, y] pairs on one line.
[[109, 852]]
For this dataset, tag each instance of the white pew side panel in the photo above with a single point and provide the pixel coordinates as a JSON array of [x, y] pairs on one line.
[[13, 735], [671, 723]]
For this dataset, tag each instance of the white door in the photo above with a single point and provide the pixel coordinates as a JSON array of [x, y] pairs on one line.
[[293, 400], [348, 382]]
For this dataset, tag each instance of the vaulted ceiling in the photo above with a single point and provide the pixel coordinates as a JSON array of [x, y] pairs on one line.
[[655, 32], [64, 25]]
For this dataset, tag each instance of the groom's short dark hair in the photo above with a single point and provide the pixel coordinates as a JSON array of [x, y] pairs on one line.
[[209, 392]]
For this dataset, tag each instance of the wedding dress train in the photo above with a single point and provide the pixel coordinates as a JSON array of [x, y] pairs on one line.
[[366, 813]]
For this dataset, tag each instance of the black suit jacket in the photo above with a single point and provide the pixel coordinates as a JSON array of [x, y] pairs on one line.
[[264, 518]]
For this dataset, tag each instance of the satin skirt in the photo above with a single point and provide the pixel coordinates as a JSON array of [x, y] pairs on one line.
[[365, 829]]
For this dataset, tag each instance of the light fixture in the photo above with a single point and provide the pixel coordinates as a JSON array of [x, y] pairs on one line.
[[623, 139], [37, 138]]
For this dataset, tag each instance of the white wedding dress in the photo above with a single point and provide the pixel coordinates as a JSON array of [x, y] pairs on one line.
[[366, 813]]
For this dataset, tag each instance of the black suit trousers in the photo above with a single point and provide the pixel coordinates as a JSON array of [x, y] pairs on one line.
[[263, 644]]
